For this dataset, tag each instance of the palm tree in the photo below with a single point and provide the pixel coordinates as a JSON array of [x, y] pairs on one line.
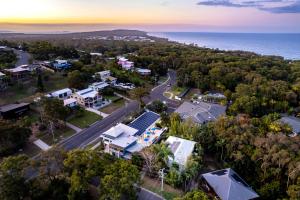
[[139, 93], [164, 152], [221, 143]]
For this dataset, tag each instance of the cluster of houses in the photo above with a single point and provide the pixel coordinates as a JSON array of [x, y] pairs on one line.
[[124, 140], [122, 38], [89, 97], [23, 72]]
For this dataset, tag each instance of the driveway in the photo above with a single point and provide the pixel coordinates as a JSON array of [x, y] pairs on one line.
[[23, 57]]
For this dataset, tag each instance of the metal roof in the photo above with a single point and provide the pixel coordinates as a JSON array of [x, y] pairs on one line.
[[228, 185], [181, 148], [144, 121], [9, 107], [62, 91], [294, 122], [87, 93]]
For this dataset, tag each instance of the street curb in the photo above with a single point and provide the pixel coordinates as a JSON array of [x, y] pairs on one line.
[[162, 83]]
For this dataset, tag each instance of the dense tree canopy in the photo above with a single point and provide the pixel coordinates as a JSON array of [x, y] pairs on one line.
[[43, 50], [12, 137], [60, 175]]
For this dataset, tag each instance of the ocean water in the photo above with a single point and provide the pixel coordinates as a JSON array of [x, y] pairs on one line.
[[286, 45]]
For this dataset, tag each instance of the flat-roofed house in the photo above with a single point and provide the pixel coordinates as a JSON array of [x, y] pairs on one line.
[[106, 77], [88, 98], [18, 73], [182, 149], [293, 122], [125, 63], [71, 103], [98, 86], [119, 138], [143, 72], [12, 111], [61, 64], [200, 113], [124, 140], [228, 185], [61, 94]]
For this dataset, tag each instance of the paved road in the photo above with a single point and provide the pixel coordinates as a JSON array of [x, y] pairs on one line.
[[82, 139], [157, 93], [23, 57], [145, 194]]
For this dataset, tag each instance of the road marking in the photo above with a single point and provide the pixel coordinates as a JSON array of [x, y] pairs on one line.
[[162, 83]]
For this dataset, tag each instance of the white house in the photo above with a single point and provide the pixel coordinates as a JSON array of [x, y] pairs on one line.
[[106, 76], [61, 94], [125, 63], [88, 98], [143, 72], [182, 149], [119, 138], [96, 54], [71, 103], [98, 86], [123, 140]]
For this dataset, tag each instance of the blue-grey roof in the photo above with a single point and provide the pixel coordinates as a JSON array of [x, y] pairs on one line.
[[294, 122], [144, 121], [228, 185], [201, 112]]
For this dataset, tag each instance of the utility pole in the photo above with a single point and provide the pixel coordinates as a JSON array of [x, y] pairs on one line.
[[51, 130], [162, 176]]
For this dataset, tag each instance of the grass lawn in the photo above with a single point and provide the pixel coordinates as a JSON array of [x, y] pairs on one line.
[[30, 150], [177, 90], [59, 134], [24, 91], [113, 106], [191, 93], [169, 192], [168, 94], [112, 98], [85, 120], [162, 79]]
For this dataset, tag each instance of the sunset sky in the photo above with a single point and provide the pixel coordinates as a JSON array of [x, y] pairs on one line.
[[181, 15]]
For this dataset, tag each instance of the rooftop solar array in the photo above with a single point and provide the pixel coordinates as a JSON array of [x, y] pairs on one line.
[[144, 121]]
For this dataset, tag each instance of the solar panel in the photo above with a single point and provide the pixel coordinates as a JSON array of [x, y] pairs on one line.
[[144, 121], [238, 179], [86, 92], [220, 172]]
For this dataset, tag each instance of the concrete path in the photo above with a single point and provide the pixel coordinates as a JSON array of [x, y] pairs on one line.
[[102, 114], [75, 128], [42, 145]]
